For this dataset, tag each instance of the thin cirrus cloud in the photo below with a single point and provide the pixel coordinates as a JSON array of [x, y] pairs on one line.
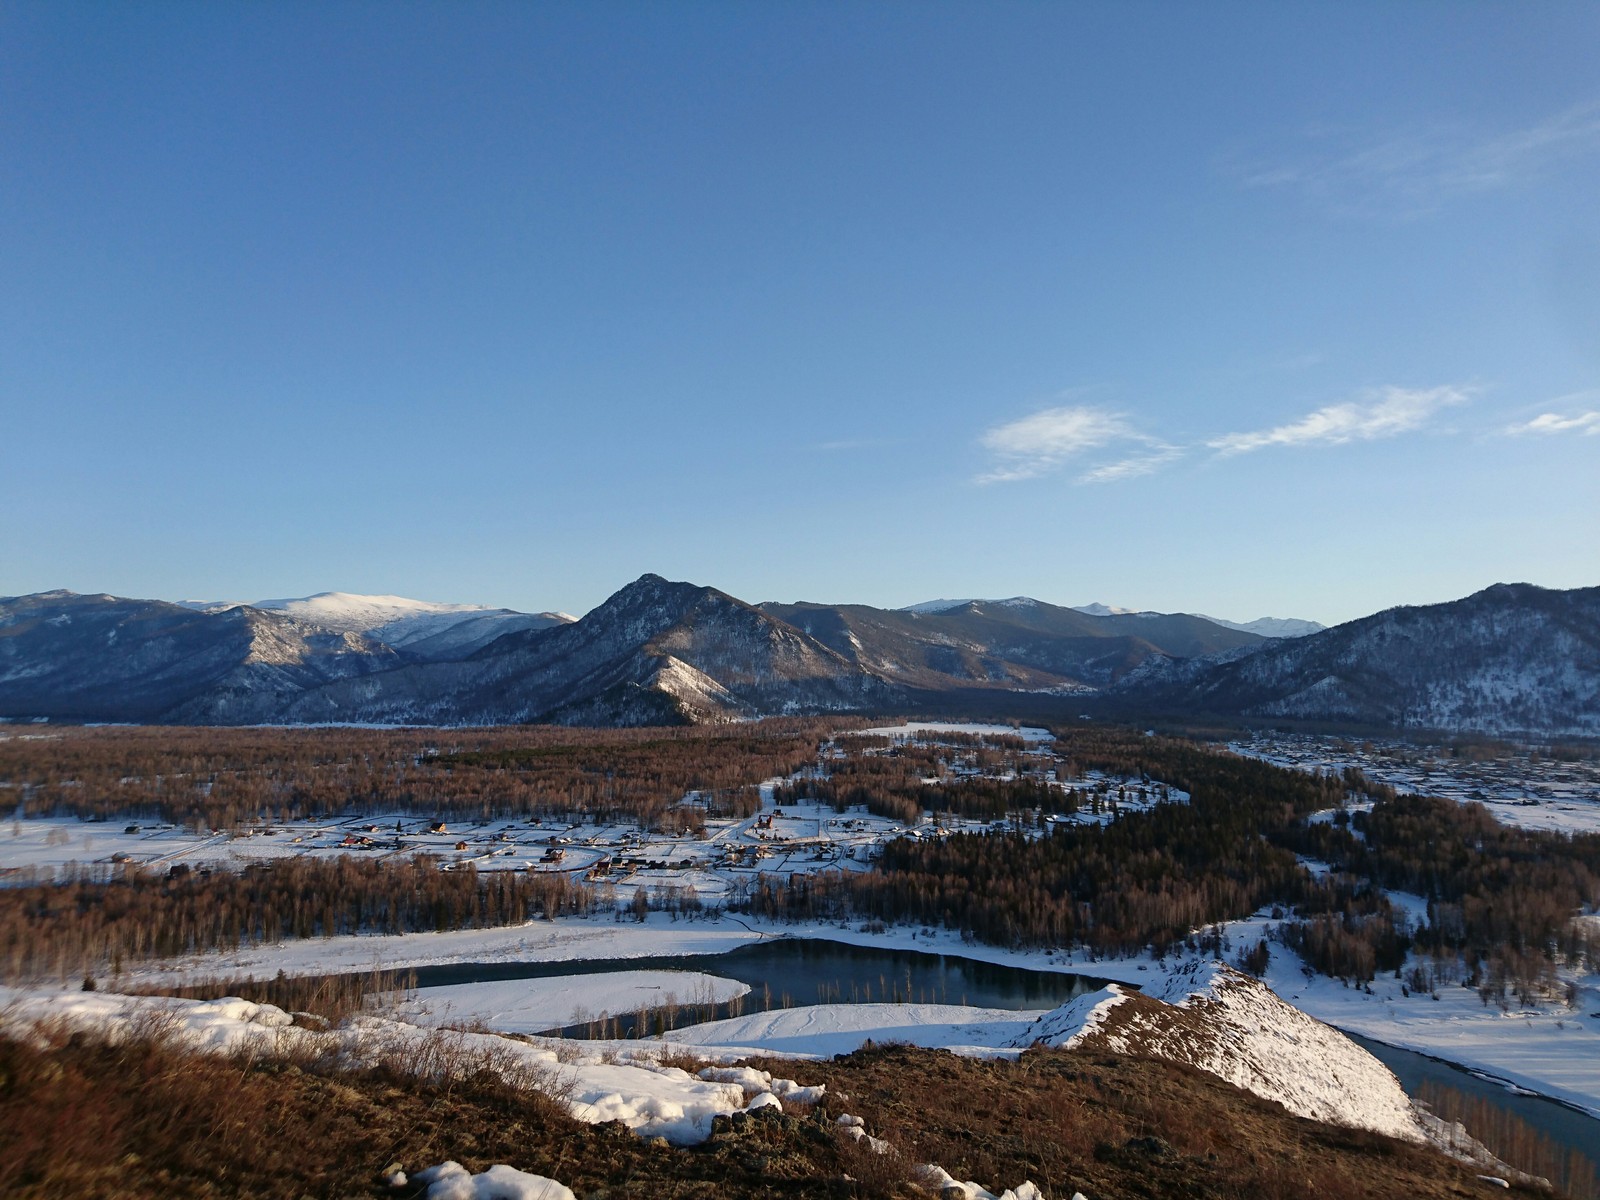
[[1049, 441], [1586, 424], [1385, 412], [1133, 466], [1415, 172], [1046, 441]]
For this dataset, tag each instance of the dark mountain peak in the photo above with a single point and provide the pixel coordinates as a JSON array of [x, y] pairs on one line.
[[652, 600], [1512, 593], [62, 596], [651, 588]]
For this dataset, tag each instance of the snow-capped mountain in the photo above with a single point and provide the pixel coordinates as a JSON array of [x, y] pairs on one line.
[[940, 606], [1511, 659], [421, 629], [104, 658], [1271, 627]]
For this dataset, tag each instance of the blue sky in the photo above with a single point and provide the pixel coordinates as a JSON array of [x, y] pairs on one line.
[[1241, 309]]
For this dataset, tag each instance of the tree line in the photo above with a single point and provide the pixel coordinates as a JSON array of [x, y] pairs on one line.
[[63, 929], [226, 779]]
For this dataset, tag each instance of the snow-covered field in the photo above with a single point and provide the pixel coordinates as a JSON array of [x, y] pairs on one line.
[[1522, 789], [821, 1030], [565, 940], [1027, 733], [532, 1005]]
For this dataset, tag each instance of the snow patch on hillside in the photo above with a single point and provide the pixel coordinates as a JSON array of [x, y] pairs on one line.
[[1224, 1022], [1096, 609], [1076, 1020], [935, 606], [452, 1181], [619, 1082], [940, 606]]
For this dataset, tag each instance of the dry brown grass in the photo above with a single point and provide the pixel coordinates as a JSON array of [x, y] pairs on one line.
[[142, 1119], [1117, 1126]]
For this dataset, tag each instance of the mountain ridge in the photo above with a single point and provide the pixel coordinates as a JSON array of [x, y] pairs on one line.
[[1510, 659]]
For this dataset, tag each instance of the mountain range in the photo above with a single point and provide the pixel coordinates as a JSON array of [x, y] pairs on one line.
[[1510, 659], [1272, 627]]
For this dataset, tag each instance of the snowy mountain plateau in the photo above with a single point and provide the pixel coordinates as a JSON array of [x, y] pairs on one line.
[[420, 629], [1511, 659]]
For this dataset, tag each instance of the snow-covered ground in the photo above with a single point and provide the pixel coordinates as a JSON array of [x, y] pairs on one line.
[[597, 1082], [1522, 789], [565, 940], [452, 1181], [1027, 733], [822, 1030], [1550, 1049], [798, 839], [1257, 1042], [532, 1005]]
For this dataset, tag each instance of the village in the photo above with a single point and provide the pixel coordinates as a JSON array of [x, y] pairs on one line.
[[712, 859]]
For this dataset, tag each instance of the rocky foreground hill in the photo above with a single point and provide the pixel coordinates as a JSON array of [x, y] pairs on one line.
[[1513, 659], [1216, 1090]]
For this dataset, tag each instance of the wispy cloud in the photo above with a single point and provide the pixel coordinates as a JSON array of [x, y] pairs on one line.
[[1037, 445], [1050, 441], [1134, 465], [1587, 424], [1382, 413], [1413, 172]]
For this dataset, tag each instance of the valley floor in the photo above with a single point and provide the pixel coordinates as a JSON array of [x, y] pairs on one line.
[[1551, 1050]]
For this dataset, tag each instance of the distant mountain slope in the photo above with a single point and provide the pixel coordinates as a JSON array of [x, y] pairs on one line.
[[421, 630], [1272, 627], [1015, 643], [656, 651], [1267, 627], [104, 658], [1510, 659]]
